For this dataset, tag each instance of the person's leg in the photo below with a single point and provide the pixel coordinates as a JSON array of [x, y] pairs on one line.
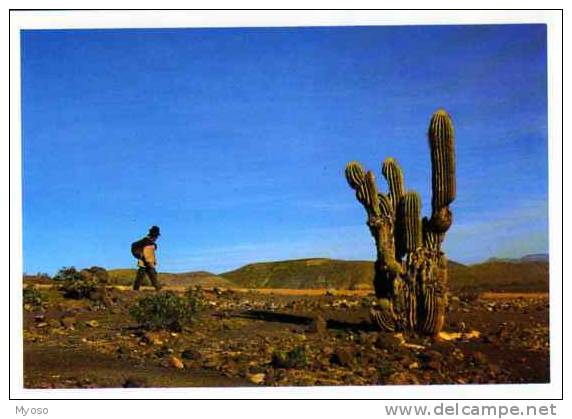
[[152, 274], [139, 278]]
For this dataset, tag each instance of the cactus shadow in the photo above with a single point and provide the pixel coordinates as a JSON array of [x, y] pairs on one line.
[[296, 319]]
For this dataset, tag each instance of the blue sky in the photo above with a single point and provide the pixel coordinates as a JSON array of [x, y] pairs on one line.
[[234, 141]]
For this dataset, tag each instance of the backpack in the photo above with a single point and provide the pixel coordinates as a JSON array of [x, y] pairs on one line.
[[137, 248]]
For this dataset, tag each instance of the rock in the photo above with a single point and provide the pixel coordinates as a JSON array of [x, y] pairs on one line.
[[343, 357], [330, 292], [318, 325], [41, 325], [479, 358], [433, 365], [413, 365], [256, 378], [54, 323], [151, 339], [39, 318], [68, 322], [176, 363], [92, 323], [432, 360], [135, 382], [191, 354], [399, 378], [328, 350], [386, 341]]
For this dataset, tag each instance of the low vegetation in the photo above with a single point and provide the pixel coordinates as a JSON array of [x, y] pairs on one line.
[[167, 310]]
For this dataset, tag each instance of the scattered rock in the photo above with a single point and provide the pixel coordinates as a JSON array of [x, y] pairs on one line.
[[92, 323], [343, 357], [135, 382], [176, 363], [328, 350], [54, 323], [68, 322], [386, 341], [318, 325], [256, 378], [479, 358], [400, 378], [191, 354], [151, 339]]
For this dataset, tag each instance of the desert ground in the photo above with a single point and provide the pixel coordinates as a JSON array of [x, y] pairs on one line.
[[274, 337]]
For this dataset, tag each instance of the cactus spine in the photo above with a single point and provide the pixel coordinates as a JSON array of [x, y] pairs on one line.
[[410, 271]]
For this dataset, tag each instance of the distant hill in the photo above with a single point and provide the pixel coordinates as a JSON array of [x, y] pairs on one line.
[[204, 279], [304, 273], [536, 257], [329, 273]]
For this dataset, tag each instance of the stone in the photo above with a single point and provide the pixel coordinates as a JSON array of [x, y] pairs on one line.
[[400, 378], [54, 323], [135, 382], [318, 325], [92, 323], [191, 354], [343, 357], [386, 341], [256, 378], [479, 358], [151, 339], [68, 322], [176, 363]]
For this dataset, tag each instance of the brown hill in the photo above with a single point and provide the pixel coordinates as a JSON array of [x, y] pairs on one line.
[[329, 273], [187, 279]]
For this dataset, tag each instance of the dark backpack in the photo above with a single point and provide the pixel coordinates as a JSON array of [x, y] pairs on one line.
[[137, 248]]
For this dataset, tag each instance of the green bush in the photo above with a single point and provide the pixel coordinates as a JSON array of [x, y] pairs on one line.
[[67, 274], [296, 358], [75, 284], [32, 297], [165, 310], [195, 299]]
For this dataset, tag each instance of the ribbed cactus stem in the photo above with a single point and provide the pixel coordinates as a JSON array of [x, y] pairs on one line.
[[410, 209], [394, 176], [385, 205], [355, 175], [373, 196], [441, 142]]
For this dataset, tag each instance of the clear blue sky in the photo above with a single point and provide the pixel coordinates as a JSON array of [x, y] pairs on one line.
[[234, 141]]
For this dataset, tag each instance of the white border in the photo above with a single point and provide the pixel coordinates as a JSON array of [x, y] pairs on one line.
[[173, 19]]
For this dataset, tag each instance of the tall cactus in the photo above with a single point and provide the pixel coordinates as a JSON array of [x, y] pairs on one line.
[[410, 270]]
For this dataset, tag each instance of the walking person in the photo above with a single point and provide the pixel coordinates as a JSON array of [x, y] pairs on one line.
[[144, 250]]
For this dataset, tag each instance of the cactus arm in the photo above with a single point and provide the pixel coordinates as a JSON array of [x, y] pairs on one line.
[[442, 145]]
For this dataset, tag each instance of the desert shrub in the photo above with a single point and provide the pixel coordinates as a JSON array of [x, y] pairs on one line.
[[96, 273], [195, 299], [75, 284], [67, 274], [296, 358], [164, 310], [32, 297]]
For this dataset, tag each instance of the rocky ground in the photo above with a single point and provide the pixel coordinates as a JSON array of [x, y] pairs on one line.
[[253, 338]]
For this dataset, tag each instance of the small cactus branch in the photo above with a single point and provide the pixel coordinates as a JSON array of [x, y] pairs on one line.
[[410, 209], [355, 174], [394, 176], [373, 196]]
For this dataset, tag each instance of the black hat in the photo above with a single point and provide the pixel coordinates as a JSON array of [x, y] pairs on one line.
[[154, 231]]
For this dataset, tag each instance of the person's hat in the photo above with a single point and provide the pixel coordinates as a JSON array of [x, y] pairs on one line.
[[154, 231]]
